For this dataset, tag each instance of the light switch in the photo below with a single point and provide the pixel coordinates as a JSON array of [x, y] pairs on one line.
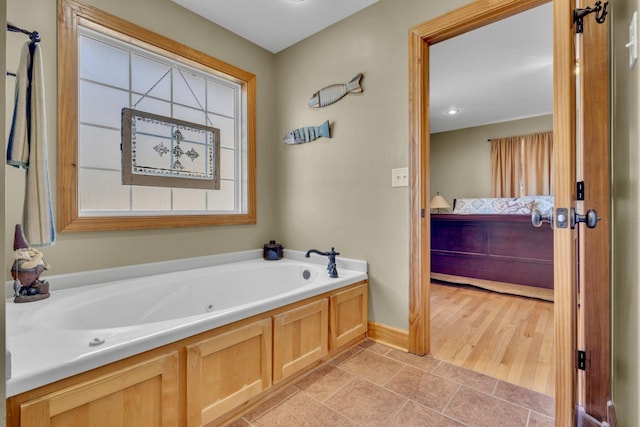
[[400, 177]]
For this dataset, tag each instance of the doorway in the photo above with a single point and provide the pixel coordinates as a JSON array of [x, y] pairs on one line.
[[459, 21], [498, 80]]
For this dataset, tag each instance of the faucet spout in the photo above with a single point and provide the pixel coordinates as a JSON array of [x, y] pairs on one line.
[[331, 268], [315, 251]]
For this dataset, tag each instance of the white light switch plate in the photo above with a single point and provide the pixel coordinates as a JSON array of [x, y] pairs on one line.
[[400, 177]]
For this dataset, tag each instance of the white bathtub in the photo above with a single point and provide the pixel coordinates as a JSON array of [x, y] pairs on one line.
[[95, 318]]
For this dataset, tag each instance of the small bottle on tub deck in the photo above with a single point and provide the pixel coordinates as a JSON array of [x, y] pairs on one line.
[[272, 251]]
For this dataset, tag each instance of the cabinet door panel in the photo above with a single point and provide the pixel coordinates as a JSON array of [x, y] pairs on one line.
[[143, 394], [349, 315], [227, 370], [300, 337]]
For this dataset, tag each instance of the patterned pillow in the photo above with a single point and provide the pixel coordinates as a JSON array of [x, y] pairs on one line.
[[543, 203], [512, 207], [474, 206]]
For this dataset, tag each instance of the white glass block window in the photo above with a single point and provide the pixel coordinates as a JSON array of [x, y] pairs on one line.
[[112, 75]]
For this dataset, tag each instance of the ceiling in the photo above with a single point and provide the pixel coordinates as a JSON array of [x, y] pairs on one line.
[[275, 24], [497, 73]]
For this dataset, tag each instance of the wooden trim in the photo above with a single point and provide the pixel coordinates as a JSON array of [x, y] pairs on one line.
[[564, 119], [420, 244], [67, 127], [387, 335], [470, 17], [70, 14]]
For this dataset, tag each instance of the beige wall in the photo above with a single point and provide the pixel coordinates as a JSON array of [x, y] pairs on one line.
[[460, 159], [84, 251], [337, 192], [626, 230]]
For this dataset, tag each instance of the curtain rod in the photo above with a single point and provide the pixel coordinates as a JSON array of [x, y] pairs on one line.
[[33, 35], [522, 136]]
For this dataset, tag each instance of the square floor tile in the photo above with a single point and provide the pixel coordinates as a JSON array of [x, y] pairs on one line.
[[299, 410], [372, 366], [416, 415], [324, 381], [425, 388], [375, 347], [346, 355], [539, 420], [481, 410], [426, 363], [274, 400], [466, 377], [366, 403], [538, 402], [240, 422]]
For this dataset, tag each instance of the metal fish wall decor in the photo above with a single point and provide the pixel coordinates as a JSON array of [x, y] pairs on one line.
[[307, 134], [334, 93]]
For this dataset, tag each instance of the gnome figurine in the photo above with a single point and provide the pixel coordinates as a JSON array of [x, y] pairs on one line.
[[27, 266]]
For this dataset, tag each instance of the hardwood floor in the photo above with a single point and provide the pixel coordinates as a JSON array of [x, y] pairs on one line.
[[504, 336]]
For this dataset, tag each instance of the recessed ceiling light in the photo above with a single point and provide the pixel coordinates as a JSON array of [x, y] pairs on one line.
[[453, 111]]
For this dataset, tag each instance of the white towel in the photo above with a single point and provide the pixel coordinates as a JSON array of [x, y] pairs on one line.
[[28, 148]]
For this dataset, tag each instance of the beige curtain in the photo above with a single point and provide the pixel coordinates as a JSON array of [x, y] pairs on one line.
[[521, 165], [537, 154], [506, 167]]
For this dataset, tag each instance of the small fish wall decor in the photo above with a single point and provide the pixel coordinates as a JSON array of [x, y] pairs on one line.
[[307, 134], [334, 93]]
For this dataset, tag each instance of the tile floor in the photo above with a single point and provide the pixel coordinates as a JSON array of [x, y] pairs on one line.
[[374, 385]]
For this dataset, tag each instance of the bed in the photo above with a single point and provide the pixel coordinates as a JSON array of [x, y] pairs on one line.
[[491, 243]]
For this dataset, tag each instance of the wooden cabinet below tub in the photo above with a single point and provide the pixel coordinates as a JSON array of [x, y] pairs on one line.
[[142, 395], [349, 315], [227, 370], [300, 338], [206, 379]]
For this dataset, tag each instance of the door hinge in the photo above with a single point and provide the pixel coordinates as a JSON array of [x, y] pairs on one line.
[[582, 360], [580, 190], [579, 14], [422, 213]]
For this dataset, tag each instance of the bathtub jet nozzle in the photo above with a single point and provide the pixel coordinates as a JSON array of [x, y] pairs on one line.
[[331, 268]]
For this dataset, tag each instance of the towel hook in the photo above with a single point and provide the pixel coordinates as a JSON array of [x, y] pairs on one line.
[[33, 35]]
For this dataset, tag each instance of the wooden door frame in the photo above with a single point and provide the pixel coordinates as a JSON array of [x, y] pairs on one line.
[[462, 20]]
